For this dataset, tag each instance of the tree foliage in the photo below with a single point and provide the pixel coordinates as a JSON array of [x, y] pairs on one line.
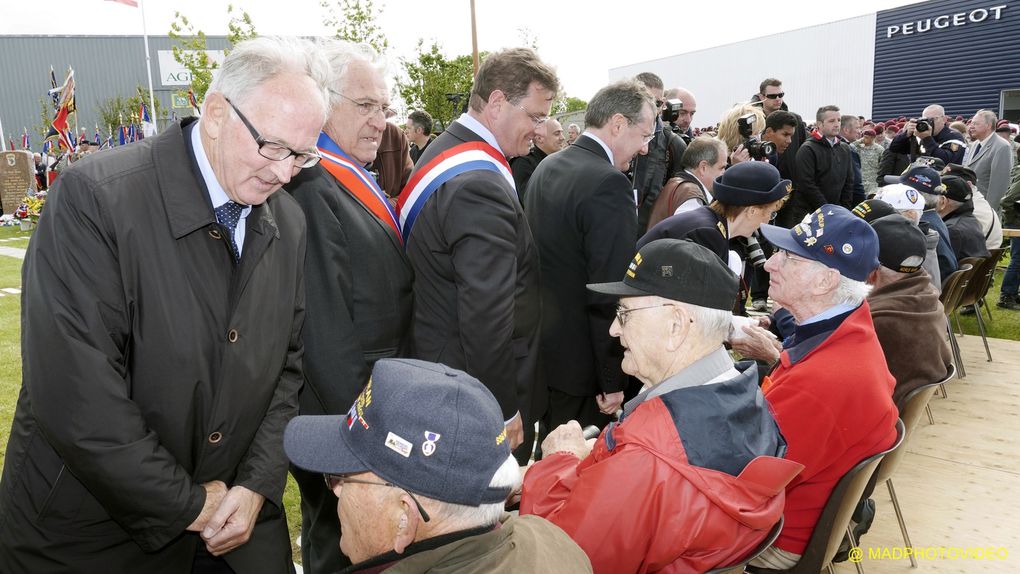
[[355, 22], [118, 110], [431, 78], [190, 47], [565, 104]]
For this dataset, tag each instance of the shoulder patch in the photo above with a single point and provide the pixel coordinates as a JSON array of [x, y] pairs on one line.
[[721, 227]]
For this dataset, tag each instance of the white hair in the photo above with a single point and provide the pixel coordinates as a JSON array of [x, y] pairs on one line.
[[914, 215], [850, 292], [253, 62], [340, 54], [462, 517], [713, 324]]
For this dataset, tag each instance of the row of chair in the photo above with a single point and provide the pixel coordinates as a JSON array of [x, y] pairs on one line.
[[968, 286]]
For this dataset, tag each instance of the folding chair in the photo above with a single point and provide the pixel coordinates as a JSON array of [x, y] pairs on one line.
[[738, 567]]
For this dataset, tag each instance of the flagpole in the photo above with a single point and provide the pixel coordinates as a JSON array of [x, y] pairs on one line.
[[148, 67], [3, 139]]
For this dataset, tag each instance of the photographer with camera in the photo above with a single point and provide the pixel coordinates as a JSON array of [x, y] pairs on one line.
[[745, 196], [930, 136], [651, 170], [681, 126]]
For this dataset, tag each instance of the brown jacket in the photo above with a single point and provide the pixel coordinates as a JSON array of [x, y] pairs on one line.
[[675, 193]]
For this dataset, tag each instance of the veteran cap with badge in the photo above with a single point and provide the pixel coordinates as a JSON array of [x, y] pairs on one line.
[[832, 236], [923, 178], [901, 244], [425, 427]]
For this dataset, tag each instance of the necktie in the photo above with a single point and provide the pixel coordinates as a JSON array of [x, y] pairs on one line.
[[228, 215], [977, 150]]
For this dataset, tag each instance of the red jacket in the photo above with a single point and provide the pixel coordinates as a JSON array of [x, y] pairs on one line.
[[637, 503], [834, 406]]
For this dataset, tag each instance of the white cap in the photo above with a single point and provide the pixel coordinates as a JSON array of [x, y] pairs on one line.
[[901, 196]]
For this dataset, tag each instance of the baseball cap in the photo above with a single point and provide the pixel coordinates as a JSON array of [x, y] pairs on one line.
[[901, 244], [679, 270], [957, 188], [423, 426], [920, 177], [832, 236], [871, 209], [750, 183], [963, 172], [900, 196]]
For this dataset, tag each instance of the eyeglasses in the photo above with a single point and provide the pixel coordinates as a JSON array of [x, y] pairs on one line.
[[787, 256], [369, 108], [334, 480], [535, 118], [775, 96], [274, 150], [622, 312]]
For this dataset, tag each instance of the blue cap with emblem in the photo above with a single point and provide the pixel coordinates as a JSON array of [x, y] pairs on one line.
[[423, 426], [832, 236]]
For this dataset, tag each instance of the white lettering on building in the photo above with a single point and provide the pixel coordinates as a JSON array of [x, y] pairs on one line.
[[975, 16]]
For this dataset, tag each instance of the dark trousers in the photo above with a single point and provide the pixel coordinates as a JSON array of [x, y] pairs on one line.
[[564, 407], [1011, 279], [206, 563], [320, 525]]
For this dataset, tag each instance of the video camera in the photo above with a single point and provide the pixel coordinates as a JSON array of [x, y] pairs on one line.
[[758, 149]]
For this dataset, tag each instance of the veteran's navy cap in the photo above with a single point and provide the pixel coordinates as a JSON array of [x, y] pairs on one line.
[[832, 236]]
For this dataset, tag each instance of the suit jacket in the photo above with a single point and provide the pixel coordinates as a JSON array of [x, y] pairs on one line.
[[582, 212], [152, 364], [992, 164], [476, 280], [524, 166], [358, 293]]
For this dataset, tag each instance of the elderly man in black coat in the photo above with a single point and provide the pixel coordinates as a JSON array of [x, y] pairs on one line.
[[161, 329], [582, 211]]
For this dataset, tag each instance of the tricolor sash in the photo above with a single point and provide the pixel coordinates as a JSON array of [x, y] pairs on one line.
[[468, 156], [358, 181]]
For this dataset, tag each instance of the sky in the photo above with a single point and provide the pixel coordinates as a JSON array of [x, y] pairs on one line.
[[581, 39]]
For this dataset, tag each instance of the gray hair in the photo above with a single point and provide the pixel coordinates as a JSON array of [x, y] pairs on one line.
[[703, 148], [575, 127], [850, 292], [931, 200], [988, 116], [462, 517], [254, 62], [627, 97], [340, 54], [712, 324]]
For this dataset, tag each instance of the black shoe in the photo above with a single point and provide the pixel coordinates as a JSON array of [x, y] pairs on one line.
[[1011, 302], [968, 310]]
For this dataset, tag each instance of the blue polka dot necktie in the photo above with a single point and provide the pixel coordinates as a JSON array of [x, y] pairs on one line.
[[228, 215]]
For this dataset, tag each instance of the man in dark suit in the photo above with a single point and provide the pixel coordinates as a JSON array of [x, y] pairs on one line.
[[162, 339], [474, 259], [548, 140], [582, 210], [357, 278]]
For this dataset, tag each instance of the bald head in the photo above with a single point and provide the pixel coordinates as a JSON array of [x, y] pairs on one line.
[[549, 136], [690, 106], [937, 114]]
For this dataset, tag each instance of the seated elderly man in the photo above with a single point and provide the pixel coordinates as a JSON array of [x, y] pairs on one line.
[[422, 468], [926, 181], [907, 202], [905, 308], [831, 391], [688, 479], [991, 225], [957, 210]]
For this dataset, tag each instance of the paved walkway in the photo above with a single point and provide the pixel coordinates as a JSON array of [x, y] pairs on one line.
[[12, 252]]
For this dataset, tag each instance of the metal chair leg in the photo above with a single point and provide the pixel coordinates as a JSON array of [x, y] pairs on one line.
[[854, 543], [927, 409], [984, 339], [956, 316], [987, 309], [955, 346], [899, 518]]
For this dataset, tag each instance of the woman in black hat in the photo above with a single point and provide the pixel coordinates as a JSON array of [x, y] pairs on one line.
[[745, 196]]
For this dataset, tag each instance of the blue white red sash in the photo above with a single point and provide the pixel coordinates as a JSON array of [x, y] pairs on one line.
[[468, 156], [358, 181]]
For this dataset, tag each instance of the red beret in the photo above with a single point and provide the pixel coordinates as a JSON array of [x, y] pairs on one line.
[[868, 133], [892, 129]]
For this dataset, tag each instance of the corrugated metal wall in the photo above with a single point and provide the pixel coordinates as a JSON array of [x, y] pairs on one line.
[[956, 54], [820, 65], [104, 66]]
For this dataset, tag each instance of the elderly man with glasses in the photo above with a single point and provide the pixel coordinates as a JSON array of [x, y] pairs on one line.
[[831, 390], [162, 338], [357, 277], [690, 477], [421, 469]]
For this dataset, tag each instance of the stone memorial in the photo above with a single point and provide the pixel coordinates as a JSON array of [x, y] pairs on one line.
[[17, 176]]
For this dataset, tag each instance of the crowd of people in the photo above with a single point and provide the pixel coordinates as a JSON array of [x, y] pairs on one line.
[[651, 343]]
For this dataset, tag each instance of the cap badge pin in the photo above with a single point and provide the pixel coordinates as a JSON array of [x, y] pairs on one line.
[[429, 446], [847, 248], [810, 241], [828, 249], [667, 270], [398, 445]]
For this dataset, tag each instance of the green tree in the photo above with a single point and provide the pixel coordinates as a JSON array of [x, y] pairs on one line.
[[190, 47], [565, 104], [119, 110], [45, 117], [431, 78], [356, 22]]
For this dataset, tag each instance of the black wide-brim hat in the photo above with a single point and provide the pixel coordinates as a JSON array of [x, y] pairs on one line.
[[750, 183]]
